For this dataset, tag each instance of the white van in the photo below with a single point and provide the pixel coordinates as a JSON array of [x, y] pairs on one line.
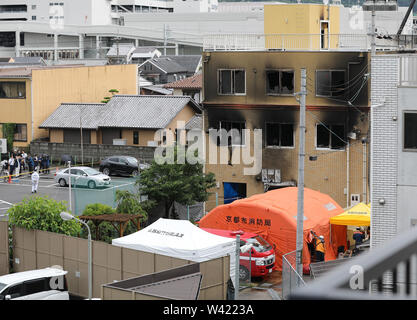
[[42, 284]]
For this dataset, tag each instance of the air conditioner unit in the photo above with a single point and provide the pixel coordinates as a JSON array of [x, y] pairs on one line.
[[271, 175]]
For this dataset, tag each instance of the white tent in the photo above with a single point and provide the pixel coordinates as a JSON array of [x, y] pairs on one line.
[[180, 239]]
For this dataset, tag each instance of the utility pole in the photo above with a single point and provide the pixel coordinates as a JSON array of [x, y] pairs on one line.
[[237, 268], [373, 31], [69, 186], [165, 40], [81, 138], [301, 156]]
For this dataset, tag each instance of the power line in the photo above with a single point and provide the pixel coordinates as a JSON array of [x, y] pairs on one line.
[[347, 82]]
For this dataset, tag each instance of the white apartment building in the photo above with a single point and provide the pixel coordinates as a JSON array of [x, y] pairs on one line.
[[393, 145], [87, 29]]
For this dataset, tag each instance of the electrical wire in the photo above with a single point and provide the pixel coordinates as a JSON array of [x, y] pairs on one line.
[[347, 82]]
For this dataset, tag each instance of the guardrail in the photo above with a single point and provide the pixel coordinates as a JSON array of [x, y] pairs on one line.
[[386, 272], [287, 42], [291, 280]]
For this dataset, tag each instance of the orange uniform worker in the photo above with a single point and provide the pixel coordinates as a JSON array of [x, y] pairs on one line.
[[320, 249]]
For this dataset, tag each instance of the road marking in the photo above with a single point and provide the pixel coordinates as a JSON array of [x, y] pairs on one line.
[[51, 185], [5, 202]]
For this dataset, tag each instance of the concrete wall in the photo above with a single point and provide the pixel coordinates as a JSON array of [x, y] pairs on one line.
[[93, 152], [299, 18], [4, 248], [384, 149], [199, 23], [407, 175], [34, 249]]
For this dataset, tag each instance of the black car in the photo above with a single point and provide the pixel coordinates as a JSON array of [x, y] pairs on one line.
[[123, 165]]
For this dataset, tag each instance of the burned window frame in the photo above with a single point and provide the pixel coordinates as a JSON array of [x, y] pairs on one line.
[[242, 136], [408, 148], [279, 71], [232, 82], [280, 124], [330, 126], [331, 86]]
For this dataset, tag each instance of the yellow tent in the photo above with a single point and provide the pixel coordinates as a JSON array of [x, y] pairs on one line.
[[359, 215]]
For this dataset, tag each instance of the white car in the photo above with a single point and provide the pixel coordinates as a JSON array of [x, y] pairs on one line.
[[82, 176], [42, 284]]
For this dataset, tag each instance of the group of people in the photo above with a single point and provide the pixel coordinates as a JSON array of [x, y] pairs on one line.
[[317, 244], [20, 161]]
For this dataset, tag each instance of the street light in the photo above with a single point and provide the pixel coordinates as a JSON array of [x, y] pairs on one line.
[[66, 217]]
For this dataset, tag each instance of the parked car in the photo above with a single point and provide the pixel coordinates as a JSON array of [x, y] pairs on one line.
[[82, 176], [123, 165], [42, 284]]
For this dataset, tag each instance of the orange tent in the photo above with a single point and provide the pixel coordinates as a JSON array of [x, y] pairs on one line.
[[273, 215]]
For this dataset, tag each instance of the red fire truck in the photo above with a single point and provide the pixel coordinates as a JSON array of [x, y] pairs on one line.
[[261, 253]]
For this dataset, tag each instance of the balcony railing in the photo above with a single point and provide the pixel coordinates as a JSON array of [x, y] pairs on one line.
[[306, 42], [386, 272], [287, 42]]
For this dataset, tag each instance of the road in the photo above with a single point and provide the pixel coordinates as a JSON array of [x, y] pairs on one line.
[[15, 192]]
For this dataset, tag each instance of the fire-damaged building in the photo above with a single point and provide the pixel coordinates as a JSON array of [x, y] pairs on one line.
[[258, 90]]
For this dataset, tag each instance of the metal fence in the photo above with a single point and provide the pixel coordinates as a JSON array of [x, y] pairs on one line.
[[290, 277], [287, 42], [386, 272], [83, 196]]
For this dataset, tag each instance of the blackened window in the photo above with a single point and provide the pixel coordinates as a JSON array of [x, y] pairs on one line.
[[410, 130], [12, 90], [330, 136], [231, 81], [20, 132], [280, 134], [330, 83], [234, 134], [135, 137], [279, 81]]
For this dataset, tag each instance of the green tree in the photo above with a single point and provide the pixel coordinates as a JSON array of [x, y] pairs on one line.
[[42, 213], [104, 231], [184, 183], [8, 134]]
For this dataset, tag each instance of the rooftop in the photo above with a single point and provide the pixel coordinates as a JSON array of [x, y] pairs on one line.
[[122, 111], [176, 64], [193, 82]]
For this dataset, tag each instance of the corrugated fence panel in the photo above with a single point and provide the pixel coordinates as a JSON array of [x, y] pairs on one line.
[[40, 249], [4, 247]]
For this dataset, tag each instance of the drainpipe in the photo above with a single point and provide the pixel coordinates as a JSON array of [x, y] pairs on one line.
[[364, 198], [347, 173]]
